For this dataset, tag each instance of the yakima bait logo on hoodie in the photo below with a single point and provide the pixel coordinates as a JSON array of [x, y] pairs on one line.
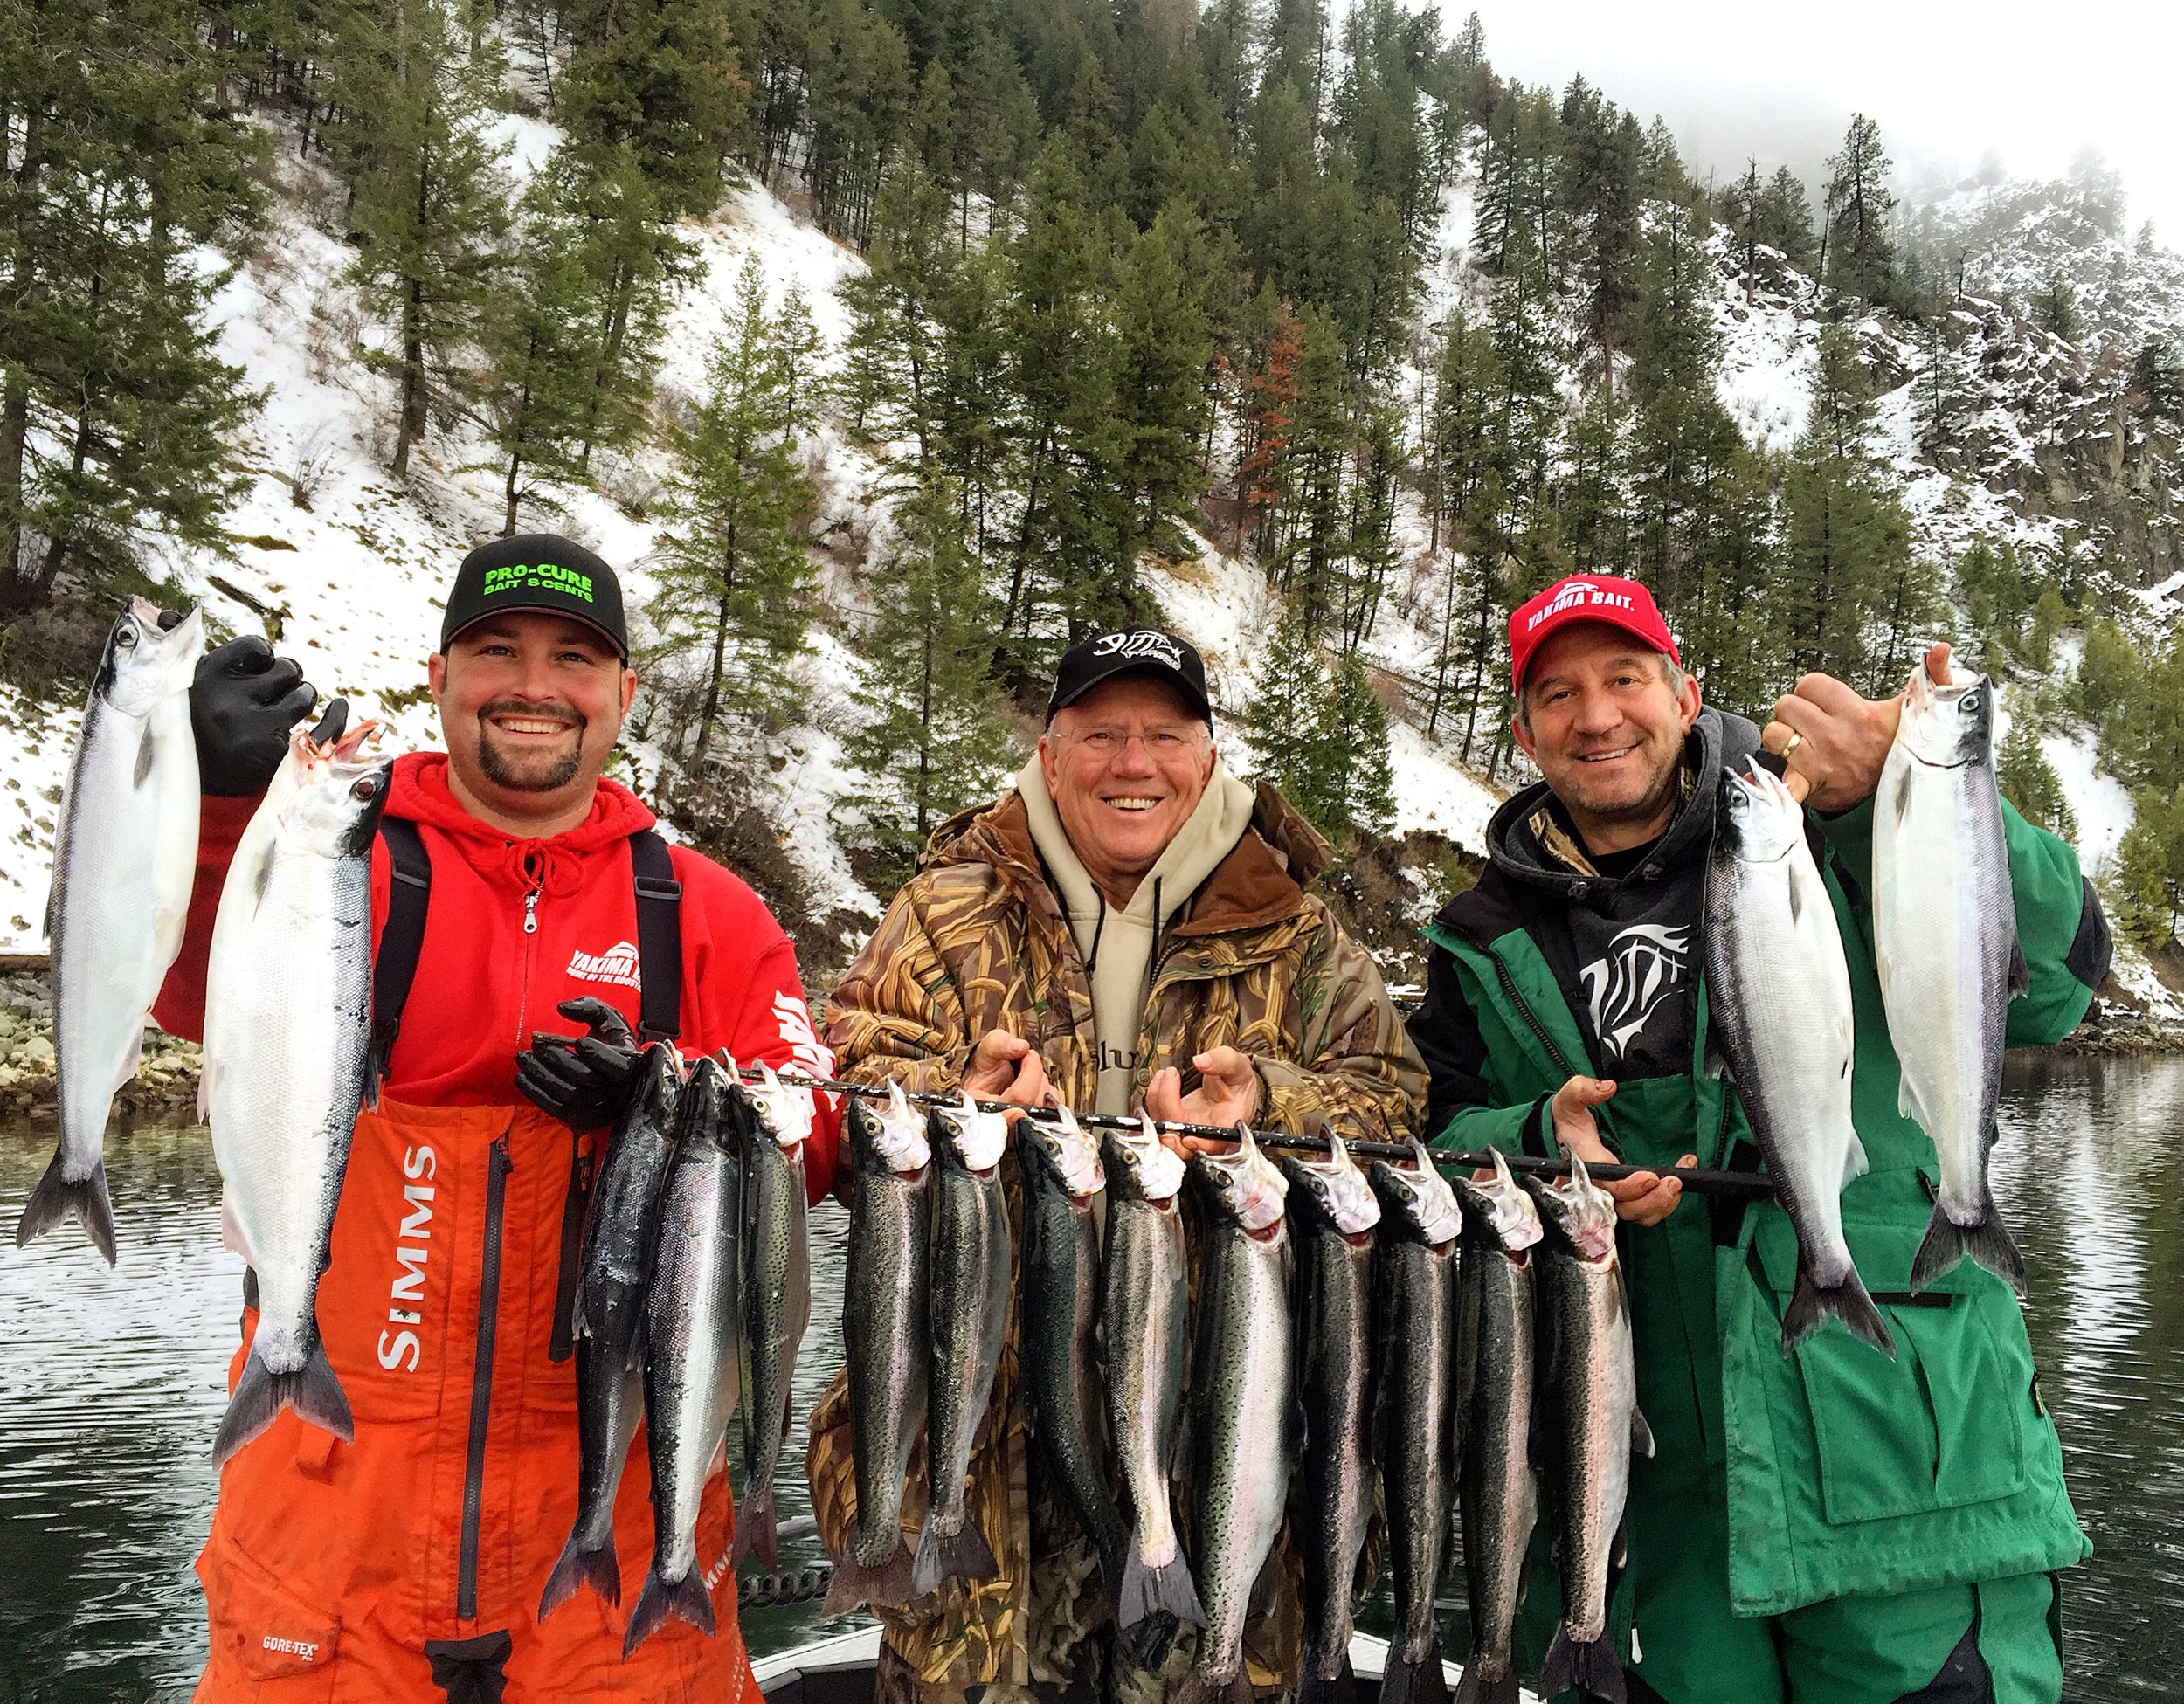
[[1644, 965], [618, 964]]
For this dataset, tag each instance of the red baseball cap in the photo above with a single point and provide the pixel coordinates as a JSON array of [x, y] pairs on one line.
[[1623, 603]]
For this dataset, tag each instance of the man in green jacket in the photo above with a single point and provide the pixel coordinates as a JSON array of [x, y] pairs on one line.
[[1827, 1527]]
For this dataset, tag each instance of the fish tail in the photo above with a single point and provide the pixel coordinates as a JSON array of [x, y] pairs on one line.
[[312, 1391], [1145, 1590], [856, 1585], [1313, 1688], [1591, 1666], [1987, 1243], [963, 1554], [757, 1528], [598, 1568], [56, 1198], [1477, 1688], [1812, 1302], [686, 1598], [1420, 1683]]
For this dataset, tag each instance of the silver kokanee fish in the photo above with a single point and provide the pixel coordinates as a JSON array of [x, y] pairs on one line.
[[288, 1060], [1495, 1487], [1587, 1402], [776, 1298], [1779, 993], [124, 859], [1243, 1413], [613, 1269], [967, 1306], [1062, 1178], [693, 1337], [1144, 1303], [884, 1339], [1944, 937], [1332, 1210], [1414, 1283]]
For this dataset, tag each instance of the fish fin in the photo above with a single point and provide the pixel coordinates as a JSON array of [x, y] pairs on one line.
[[56, 1198], [232, 1237], [147, 748], [2019, 972], [1907, 1104], [757, 1528], [1266, 1588], [1713, 1062], [1640, 1434], [1312, 1689], [1473, 1689], [686, 1598], [134, 1057], [1145, 1590], [1592, 1667], [1811, 1303], [1197, 1689], [963, 1555], [855, 1585], [601, 1570], [315, 1393], [1988, 1243], [1420, 1683], [1855, 1164], [1899, 801]]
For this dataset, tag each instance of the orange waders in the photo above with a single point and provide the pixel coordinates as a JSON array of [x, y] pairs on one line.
[[406, 1568]]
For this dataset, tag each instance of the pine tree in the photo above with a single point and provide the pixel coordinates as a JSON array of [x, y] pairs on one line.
[[1785, 218], [2146, 884], [1593, 495], [887, 377], [1286, 709], [930, 733], [1311, 540], [660, 77], [1356, 773], [428, 198], [734, 561], [2029, 781], [2108, 677], [2157, 377], [1161, 395], [2054, 308], [1861, 253], [117, 412], [2147, 749], [1947, 396], [1598, 183]]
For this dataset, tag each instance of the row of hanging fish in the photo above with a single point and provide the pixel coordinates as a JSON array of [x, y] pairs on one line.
[[1946, 951], [692, 1297], [1336, 1335]]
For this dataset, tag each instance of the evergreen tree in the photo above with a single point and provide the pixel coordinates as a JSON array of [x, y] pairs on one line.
[[886, 378], [1785, 218], [1846, 539], [2147, 748], [1311, 540], [1860, 260], [2145, 888], [115, 411], [2157, 377], [1161, 395], [1594, 495], [1995, 586], [2108, 677], [2029, 781], [1947, 396], [734, 561], [930, 731], [1358, 773], [428, 200], [2054, 308], [1598, 183], [1286, 708], [660, 77]]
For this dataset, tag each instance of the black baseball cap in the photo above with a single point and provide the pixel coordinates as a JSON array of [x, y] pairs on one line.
[[1133, 650], [535, 571]]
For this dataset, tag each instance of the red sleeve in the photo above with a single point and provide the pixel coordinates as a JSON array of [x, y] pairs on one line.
[[180, 1008], [741, 984]]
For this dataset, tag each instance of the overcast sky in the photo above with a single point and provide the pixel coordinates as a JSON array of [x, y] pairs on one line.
[[1944, 79]]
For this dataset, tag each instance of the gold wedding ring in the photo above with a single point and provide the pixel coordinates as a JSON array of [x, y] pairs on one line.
[[1791, 744]]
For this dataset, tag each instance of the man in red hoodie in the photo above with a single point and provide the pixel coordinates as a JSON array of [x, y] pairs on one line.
[[512, 882]]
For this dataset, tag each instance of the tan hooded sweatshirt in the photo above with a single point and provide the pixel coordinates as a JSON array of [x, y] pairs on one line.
[[1117, 947]]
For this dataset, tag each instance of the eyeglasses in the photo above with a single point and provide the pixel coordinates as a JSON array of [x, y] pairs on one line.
[[1157, 743]]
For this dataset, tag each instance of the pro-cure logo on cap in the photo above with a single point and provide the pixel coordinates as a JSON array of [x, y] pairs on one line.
[[537, 576], [1578, 592], [1157, 646]]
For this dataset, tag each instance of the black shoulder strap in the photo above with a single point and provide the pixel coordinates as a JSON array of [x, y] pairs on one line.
[[659, 938], [408, 896]]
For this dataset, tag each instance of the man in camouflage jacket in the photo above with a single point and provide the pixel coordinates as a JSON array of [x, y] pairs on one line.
[[1129, 924]]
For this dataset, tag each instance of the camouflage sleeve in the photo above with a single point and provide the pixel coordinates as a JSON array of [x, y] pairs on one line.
[[897, 1013], [1359, 1072]]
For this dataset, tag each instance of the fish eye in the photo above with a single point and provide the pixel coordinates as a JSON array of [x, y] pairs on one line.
[[126, 638], [365, 789]]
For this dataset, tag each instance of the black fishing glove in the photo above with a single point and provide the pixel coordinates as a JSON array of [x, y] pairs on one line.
[[242, 703], [584, 1081]]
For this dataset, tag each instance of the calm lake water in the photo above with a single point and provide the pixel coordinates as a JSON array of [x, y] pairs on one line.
[[112, 1383]]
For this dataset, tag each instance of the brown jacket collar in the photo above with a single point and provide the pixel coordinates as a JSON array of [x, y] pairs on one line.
[[1261, 881]]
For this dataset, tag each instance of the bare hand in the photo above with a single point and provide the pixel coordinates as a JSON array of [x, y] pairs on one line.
[[1227, 1094], [1005, 1067], [1644, 1197], [1833, 742]]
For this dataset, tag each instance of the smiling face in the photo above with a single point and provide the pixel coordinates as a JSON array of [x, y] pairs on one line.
[[1127, 764], [531, 705], [1606, 725]]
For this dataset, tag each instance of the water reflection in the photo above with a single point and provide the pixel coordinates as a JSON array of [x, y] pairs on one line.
[[111, 1385]]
